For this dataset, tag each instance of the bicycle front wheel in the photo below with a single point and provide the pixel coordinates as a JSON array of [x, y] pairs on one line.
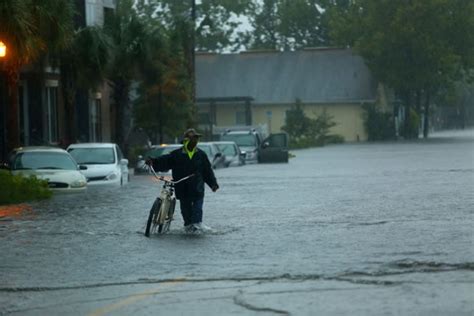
[[153, 218]]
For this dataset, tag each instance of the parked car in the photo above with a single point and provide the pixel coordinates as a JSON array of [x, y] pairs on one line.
[[275, 148], [48, 163], [249, 141], [233, 155], [154, 152], [105, 163], [215, 156]]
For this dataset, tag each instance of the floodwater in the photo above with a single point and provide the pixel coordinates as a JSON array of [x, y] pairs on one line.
[[348, 229]]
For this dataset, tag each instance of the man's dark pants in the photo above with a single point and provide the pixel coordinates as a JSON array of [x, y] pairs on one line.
[[191, 210]]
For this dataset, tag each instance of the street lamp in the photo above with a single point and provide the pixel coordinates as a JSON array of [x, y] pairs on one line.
[[3, 50]]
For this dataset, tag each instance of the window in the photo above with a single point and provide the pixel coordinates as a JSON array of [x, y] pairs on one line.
[[90, 12], [108, 16], [51, 114], [93, 155], [204, 118], [43, 160], [240, 118], [95, 121]]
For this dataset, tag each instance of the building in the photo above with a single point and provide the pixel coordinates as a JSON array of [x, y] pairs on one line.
[[42, 115], [258, 87]]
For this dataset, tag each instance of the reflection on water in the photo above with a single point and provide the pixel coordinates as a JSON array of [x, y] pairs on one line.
[[16, 211]]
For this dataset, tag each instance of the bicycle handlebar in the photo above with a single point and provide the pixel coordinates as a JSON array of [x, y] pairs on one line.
[[161, 178]]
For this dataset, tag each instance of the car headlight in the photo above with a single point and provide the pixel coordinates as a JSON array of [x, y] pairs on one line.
[[78, 184], [251, 154], [112, 176]]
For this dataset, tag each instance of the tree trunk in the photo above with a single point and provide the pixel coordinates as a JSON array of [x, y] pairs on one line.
[[418, 102], [13, 126], [406, 121], [68, 95], [160, 114], [426, 118], [121, 90]]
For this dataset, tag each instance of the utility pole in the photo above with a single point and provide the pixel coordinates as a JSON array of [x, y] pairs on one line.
[[193, 49]]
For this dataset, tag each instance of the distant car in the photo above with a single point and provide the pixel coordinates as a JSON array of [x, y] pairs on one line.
[[48, 163], [154, 152], [233, 155], [214, 154], [105, 163], [249, 141], [275, 148]]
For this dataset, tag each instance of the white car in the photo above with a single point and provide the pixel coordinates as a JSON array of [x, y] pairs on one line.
[[48, 163], [104, 161]]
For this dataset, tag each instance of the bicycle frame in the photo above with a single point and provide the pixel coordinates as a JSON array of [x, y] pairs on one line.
[[161, 215]]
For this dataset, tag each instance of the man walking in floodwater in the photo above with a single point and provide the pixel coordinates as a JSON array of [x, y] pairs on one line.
[[185, 161]]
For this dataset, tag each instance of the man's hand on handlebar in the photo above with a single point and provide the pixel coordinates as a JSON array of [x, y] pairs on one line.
[[149, 161]]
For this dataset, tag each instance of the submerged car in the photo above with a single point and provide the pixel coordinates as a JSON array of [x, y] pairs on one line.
[[233, 155], [214, 154], [105, 163], [54, 165], [249, 141], [154, 152]]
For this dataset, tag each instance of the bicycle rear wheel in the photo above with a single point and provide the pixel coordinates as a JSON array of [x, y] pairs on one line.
[[152, 218], [170, 214]]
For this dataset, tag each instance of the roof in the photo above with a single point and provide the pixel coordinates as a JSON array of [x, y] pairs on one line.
[[92, 145], [39, 148], [313, 76]]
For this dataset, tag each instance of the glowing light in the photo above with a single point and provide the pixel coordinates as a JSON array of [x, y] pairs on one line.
[[3, 49]]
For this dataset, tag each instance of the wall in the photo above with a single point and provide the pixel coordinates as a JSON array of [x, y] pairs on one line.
[[348, 117]]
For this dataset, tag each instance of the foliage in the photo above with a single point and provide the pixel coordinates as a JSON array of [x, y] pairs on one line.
[[30, 30], [17, 188], [217, 21], [165, 105], [379, 125], [127, 34], [308, 132], [288, 25], [417, 47], [412, 127]]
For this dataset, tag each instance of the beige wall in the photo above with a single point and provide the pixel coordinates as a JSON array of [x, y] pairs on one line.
[[348, 117]]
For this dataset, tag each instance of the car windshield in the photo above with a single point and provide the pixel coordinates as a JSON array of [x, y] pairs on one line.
[[43, 160], [206, 149], [93, 156], [240, 139], [159, 151], [228, 149]]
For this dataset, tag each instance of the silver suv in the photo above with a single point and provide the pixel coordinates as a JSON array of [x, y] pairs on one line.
[[248, 141]]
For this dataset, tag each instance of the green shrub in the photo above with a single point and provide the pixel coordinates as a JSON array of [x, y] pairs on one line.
[[307, 132], [379, 125], [411, 130], [17, 188]]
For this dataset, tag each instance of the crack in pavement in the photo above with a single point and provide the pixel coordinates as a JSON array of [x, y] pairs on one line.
[[202, 280], [125, 296], [239, 300]]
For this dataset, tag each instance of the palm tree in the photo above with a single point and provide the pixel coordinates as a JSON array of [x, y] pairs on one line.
[[127, 32], [30, 29], [83, 66]]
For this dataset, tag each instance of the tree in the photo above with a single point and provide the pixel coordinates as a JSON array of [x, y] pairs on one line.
[[308, 132], [288, 25], [216, 25], [31, 30], [127, 35], [165, 102], [417, 47], [83, 65]]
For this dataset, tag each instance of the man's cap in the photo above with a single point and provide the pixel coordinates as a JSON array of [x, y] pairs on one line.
[[191, 132]]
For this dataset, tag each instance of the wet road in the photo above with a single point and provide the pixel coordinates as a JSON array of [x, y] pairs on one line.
[[364, 229]]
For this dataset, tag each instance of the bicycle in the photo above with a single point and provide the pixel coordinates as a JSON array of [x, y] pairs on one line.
[[162, 211]]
